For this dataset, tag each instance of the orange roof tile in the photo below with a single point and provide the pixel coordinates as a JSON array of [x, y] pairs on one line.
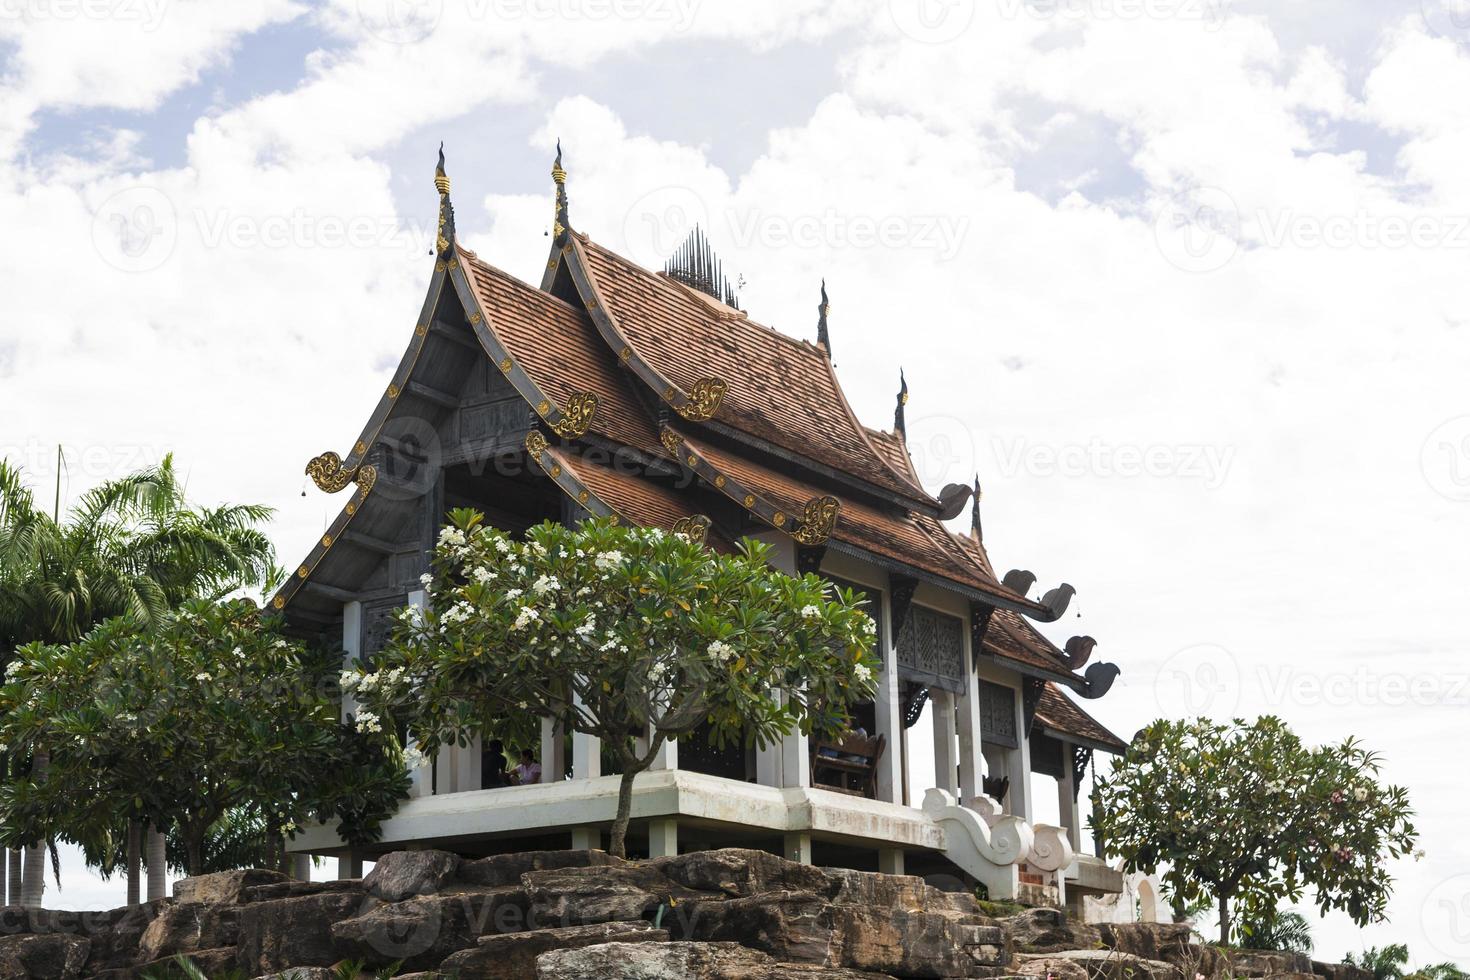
[[1062, 715], [782, 391]]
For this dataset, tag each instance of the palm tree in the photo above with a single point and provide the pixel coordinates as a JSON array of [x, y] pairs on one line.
[[131, 547], [1441, 971], [1289, 931], [1385, 964]]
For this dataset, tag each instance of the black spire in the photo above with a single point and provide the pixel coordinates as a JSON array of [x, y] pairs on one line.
[[695, 265], [903, 399], [975, 530], [823, 339], [445, 238], [563, 222]]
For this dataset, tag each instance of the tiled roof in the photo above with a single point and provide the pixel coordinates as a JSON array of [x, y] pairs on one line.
[[558, 346], [913, 539], [895, 452], [1061, 714], [643, 502], [782, 391]]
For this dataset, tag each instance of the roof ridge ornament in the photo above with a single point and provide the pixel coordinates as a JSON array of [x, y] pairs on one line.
[[695, 264], [446, 210], [824, 340], [899, 425], [562, 222], [976, 531]]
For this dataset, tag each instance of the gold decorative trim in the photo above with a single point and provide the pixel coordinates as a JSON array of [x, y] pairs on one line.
[[536, 444], [705, 397], [506, 364], [576, 416], [543, 407], [327, 473], [695, 527], [392, 391], [817, 521], [326, 540], [475, 317], [670, 439]]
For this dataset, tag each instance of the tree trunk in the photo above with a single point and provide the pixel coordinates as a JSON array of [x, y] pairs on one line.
[[1224, 920], [157, 859], [195, 857], [33, 881], [135, 860], [632, 766]]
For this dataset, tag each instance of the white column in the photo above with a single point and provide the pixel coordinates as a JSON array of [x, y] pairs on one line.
[[768, 767], [586, 839], [887, 713], [421, 780], [553, 751], [946, 741], [663, 837], [667, 756], [890, 860], [797, 846], [796, 762], [154, 846], [301, 867], [586, 752], [351, 648], [971, 747], [349, 866], [1067, 800], [1018, 768]]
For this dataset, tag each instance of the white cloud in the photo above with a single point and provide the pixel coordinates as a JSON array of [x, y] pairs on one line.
[[1294, 395]]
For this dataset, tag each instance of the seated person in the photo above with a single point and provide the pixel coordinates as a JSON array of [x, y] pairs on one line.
[[493, 773], [529, 770]]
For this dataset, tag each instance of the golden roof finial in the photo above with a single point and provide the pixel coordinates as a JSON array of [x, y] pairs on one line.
[[557, 173], [441, 179]]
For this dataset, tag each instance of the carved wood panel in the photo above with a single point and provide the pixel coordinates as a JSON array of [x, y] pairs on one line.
[[931, 649], [998, 715]]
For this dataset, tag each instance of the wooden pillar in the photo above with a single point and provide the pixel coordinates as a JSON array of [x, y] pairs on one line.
[[553, 751], [888, 711], [946, 741]]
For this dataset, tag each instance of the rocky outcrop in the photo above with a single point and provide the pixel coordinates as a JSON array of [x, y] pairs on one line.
[[562, 914]]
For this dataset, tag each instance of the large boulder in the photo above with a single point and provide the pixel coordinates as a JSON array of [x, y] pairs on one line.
[[420, 932], [1043, 967], [295, 889], [506, 869], [1341, 971], [1108, 964], [679, 961], [210, 962], [402, 874], [512, 956], [55, 956], [1173, 943], [1268, 963], [224, 887], [741, 872], [582, 896], [291, 932], [184, 928], [1047, 930]]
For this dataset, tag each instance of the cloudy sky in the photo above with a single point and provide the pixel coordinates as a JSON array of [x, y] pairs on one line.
[[1186, 281]]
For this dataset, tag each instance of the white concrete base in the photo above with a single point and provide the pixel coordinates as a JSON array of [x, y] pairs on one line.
[[663, 838]]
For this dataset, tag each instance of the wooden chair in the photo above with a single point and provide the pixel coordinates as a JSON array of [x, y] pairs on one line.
[[854, 759]]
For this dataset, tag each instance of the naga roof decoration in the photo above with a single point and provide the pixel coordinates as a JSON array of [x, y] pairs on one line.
[[648, 401], [824, 340], [1059, 715]]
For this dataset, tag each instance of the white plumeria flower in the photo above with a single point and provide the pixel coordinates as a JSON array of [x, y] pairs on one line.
[[721, 651], [426, 580], [545, 584], [526, 617], [863, 673], [608, 560], [367, 722], [203, 675], [810, 612]]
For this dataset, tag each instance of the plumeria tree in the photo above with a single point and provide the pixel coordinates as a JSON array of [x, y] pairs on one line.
[[630, 635], [211, 712], [1246, 815]]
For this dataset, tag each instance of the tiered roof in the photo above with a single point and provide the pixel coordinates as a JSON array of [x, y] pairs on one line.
[[664, 406]]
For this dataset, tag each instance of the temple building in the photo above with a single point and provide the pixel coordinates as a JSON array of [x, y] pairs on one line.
[[652, 397]]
